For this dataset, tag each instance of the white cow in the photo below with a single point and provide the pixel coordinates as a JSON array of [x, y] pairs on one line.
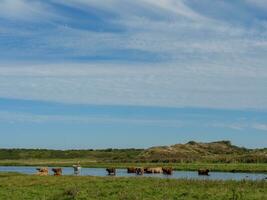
[[77, 169]]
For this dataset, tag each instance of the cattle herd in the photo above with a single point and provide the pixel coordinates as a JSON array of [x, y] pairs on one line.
[[44, 171], [153, 170], [150, 170]]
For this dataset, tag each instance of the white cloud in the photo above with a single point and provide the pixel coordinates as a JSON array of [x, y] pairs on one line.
[[179, 8], [149, 85], [262, 127], [12, 117], [241, 125], [125, 8], [32, 11]]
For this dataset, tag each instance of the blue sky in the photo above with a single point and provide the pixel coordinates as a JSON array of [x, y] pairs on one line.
[[119, 73]]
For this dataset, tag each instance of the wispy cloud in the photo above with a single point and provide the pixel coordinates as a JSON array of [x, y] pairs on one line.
[[241, 126], [180, 121], [25, 10], [150, 85], [161, 53], [262, 127], [13, 117]]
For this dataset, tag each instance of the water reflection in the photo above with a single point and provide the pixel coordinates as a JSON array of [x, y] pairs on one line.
[[123, 173]]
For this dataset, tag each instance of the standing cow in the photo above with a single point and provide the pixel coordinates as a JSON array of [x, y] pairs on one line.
[[111, 171], [43, 171], [167, 170], [131, 170], [153, 170], [77, 168], [204, 172], [140, 171], [57, 171]]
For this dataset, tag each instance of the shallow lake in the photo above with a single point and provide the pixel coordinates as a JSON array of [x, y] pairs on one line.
[[123, 173]]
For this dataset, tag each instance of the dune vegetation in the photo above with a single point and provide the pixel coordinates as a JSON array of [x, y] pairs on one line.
[[214, 152]]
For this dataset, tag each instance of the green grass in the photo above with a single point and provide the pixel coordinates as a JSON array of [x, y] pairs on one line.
[[20, 187], [96, 155], [228, 167]]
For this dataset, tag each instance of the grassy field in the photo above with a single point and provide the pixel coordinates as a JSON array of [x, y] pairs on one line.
[[228, 167], [20, 187]]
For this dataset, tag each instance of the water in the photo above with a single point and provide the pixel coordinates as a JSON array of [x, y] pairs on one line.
[[123, 173]]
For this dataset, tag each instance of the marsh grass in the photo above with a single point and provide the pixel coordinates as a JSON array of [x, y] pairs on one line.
[[20, 187]]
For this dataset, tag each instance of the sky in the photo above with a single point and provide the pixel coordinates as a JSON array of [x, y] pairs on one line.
[[132, 74]]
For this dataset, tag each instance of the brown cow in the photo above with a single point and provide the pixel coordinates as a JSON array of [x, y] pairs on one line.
[[147, 170], [131, 170], [43, 171], [203, 172], [57, 171], [111, 171], [140, 171], [151, 170], [167, 170]]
